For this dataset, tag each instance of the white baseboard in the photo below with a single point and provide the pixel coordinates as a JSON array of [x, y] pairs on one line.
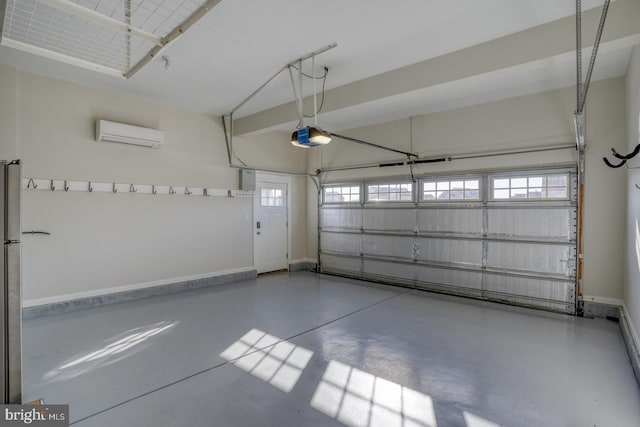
[[106, 291], [634, 331], [603, 300]]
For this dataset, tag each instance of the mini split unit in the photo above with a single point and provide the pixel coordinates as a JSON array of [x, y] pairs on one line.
[[107, 131]]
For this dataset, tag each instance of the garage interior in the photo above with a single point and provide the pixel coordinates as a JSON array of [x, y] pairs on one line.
[[325, 214]]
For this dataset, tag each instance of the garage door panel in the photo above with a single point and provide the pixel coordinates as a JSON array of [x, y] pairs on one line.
[[341, 242], [513, 240], [531, 257], [555, 223], [540, 291], [389, 219], [459, 251], [449, 277], [465, 282], [333, 262], [460, 220], [389, 246], [388, 269], [341, 218]]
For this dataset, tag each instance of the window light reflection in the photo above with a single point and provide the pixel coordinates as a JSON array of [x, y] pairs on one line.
[[269, 358], [476, 421], [111, 352], [359, 399]]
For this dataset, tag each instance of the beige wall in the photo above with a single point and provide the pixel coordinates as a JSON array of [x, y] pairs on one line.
[[632, 280], [102, 241], [532, 121], [8, 116], [273, 151]]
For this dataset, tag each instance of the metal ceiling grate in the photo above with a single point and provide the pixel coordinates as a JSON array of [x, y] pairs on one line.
[[95, 34]]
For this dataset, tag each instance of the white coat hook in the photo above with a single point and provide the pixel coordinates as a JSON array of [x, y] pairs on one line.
[[186, 191], [153, 190], [113, 188], [171, 190], [66, 186], [132, 189], [52, 187], [31, 184], [90, 187]]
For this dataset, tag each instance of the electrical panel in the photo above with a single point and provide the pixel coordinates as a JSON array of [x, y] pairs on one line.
[[247, 180]]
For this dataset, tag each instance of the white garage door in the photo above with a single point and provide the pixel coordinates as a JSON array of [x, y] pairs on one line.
[[508, 237]]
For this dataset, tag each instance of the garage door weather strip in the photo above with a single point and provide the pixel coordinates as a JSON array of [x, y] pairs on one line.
[[203, 371]]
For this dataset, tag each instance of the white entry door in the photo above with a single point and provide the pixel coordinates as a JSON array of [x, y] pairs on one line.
[[270, 227]]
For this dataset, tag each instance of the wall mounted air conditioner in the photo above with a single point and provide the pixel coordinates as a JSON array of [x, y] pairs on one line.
[[107, 131]]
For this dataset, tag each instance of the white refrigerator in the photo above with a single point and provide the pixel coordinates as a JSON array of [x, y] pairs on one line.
[[10, 297]]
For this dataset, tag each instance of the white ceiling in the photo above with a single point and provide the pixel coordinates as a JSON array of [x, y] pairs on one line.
[[241, 43]]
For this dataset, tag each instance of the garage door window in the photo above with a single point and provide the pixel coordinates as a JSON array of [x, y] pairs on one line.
[[342, 194], [446, 190], [391, 192], [534, 187]]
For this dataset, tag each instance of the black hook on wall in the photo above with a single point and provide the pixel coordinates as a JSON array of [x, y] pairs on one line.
[[624, 158]]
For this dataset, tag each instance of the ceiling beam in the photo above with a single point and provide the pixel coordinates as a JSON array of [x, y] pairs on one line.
[[537, 43]]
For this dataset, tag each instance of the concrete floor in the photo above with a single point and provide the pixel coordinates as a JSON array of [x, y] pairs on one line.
[[307, 350]]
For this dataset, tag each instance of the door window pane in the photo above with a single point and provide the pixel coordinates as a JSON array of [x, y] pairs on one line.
[[271, 197]]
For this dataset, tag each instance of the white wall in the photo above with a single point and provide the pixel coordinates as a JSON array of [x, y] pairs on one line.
[[632, 282], [544, 119], [101, 241]]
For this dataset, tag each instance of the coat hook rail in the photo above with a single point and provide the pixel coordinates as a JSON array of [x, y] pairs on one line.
[[63, 185]]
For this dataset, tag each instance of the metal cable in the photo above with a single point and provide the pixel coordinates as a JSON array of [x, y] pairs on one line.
[[370, 144], [226, 137]]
